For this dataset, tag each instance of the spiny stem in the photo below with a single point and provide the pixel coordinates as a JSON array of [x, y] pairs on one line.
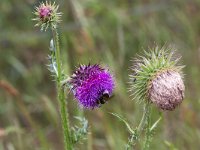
[[65, 122], [145, 124], [148, 132], [61, 95], [144, 118]]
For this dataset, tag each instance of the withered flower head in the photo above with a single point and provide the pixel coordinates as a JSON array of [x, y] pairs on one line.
[[157, 78]]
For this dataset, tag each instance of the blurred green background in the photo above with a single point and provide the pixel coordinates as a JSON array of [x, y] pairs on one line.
[[109, 32]]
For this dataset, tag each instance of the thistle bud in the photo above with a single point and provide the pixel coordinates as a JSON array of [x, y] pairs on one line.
[[47, 15], [91, 85], [157, 78]]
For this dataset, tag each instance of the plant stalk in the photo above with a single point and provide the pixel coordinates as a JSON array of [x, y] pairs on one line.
[[148, 132], [61, 95], [144, 118], [145, 124]]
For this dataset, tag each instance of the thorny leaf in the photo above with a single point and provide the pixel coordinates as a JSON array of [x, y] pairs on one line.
[[125, 122], [80, 132]]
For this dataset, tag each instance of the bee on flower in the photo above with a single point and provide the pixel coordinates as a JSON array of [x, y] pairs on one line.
[[91, 85]]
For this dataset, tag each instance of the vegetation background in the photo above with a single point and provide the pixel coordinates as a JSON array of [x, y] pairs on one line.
[[109, 32]]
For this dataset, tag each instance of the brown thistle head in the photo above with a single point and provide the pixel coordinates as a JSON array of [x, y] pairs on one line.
[[157, 78]]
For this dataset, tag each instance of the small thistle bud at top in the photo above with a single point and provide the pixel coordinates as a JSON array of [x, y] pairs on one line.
[[157, 78], [47, 15], [92, 85]]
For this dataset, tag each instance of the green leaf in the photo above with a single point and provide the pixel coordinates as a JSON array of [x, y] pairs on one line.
[[80, 132], [155, 124], [170, 145], [125, 122]]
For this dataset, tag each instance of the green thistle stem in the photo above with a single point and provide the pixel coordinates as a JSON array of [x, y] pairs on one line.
[[148, 132], [61, 95], [145, 124], [144, 118]]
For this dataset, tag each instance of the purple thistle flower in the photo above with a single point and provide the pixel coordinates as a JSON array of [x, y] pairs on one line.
[[44, 12], [91, 85]]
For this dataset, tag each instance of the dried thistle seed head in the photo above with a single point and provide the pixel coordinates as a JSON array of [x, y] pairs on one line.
[[47, 15], [157, 78], [92, 85], [166, 90]]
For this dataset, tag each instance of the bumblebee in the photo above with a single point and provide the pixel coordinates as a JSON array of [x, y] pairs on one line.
[[104, 98]]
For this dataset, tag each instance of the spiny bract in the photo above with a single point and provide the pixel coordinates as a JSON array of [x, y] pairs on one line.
[[157, 78]]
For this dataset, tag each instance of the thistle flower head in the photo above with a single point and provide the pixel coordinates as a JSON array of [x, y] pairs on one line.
[[157, 78], [47, 15], [92, 85]]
